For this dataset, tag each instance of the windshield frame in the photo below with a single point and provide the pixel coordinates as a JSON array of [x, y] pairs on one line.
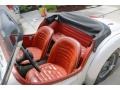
[[16, 48]]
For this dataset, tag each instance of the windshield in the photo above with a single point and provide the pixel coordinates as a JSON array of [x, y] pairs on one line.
[[8, 38]]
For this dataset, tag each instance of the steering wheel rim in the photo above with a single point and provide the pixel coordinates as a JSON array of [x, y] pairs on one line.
[[30, 58]]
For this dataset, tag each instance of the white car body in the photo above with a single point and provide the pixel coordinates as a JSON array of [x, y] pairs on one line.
[[96, 60]]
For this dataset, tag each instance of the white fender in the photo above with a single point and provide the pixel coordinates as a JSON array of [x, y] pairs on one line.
[[103, 52]]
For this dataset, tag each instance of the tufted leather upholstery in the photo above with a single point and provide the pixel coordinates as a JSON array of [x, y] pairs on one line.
[[65, 53], [40, 43], [63, 59], [49, 72], [42, 38]]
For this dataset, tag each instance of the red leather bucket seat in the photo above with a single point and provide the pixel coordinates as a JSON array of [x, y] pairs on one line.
[[63, 60], [40, 44]]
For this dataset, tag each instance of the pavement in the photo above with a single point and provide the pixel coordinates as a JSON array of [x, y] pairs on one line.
[[31, 20]]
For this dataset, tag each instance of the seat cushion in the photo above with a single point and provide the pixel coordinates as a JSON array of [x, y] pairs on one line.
[[36, 52], [49, 73]]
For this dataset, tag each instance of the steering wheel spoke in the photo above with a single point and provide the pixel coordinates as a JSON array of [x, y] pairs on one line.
[[29, 56]]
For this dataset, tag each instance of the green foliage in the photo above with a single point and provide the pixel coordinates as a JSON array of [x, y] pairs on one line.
[[23, 8], [26, 8], [51, 8]]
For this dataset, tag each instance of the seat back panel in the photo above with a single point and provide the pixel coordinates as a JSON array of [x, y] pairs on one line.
[[65, 53], [73, 32], [43, 38]]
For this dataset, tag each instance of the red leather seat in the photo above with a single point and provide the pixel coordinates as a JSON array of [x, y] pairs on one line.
[[63, 60], [49, 72], [40, 44]]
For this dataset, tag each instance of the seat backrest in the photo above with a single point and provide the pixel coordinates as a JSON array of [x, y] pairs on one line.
[[42, 38], [65, 53]]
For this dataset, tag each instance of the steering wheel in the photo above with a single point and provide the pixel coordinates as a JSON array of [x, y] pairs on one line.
[[29, 56]]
